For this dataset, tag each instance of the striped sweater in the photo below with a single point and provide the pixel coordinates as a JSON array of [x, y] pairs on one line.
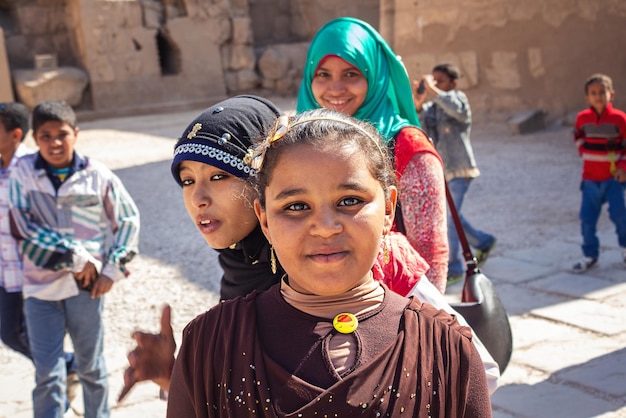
[[601, 142], [88, 217]]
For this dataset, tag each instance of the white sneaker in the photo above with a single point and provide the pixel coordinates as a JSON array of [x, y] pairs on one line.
[[584, 264]]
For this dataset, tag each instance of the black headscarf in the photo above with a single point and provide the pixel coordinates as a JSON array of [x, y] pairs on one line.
[[220, 136]]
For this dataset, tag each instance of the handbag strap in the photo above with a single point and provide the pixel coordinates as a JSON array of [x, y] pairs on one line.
[[470, 260]]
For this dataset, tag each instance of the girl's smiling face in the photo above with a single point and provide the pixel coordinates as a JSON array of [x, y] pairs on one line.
[[325, 218], [339, 86], [218, 203]]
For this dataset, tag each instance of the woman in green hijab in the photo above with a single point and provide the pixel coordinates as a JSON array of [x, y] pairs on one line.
[[350, 68]]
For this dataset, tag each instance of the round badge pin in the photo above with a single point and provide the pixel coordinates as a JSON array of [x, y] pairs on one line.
[[345, 323]]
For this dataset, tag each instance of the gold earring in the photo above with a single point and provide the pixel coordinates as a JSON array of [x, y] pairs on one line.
[[272, 260], [386, 256]]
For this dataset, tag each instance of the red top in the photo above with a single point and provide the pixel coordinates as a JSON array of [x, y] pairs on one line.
[[423, 200], [600, 141], [405, 267]]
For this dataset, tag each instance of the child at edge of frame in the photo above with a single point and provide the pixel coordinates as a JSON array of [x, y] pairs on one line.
[[14, 125], [600, 136], [62, 207]]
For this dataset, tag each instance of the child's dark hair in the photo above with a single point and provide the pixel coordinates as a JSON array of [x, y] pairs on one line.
[[449, 69], [599, 78], [324, 129], [14, 115], [53, 110]]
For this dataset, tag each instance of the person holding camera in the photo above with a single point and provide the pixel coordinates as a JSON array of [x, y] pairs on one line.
[[447, 118]]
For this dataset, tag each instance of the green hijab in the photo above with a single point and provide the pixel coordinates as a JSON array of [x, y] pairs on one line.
[[388, 104]]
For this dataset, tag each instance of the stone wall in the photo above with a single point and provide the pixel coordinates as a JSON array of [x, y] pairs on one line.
[[6, 92], [42, 51], [140, 53], [137, 53], [514, 55], [289, 21], [144, 53], [38, 27]]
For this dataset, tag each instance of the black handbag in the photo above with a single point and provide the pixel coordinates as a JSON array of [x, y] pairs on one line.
[[480, 304]]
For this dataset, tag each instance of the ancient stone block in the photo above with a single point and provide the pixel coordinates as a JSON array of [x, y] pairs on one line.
[[19, 51], [6, 92], [296, 53], [285, 87], [242, 31], [273, 65], [223, 29], [419, 64], [527, 121], [152, 14], [468, 63], [268, 84], [240, 6], [220, 9], [230, 79], [504, 72], [33, 20], [505, 101], [535, 62], [247, 80], [63, 83], [241, 57], [555, 12], [46, 61]]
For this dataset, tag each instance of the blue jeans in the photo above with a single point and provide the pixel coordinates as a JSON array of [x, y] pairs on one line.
[[47, 322], [595, 194], [12, 325], [475, 237]]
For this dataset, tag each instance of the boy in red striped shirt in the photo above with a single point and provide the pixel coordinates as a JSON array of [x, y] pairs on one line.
[[600, 135]]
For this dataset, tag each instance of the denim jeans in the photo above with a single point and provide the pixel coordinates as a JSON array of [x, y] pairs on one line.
[[594, 195], [475, 237], [12, 325], [47, 322]]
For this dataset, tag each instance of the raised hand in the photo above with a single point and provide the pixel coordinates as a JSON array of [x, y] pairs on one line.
[[153, 358]]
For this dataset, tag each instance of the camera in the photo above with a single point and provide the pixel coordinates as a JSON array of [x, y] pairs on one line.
[[421, 88]]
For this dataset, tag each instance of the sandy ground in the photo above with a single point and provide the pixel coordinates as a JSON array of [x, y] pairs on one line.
[[527, 195]]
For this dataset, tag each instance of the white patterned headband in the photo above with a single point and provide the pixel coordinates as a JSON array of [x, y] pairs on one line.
[[256, 153]]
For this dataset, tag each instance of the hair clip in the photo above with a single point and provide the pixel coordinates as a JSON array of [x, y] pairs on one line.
[[194, 130], [281, 128], [255, 155]]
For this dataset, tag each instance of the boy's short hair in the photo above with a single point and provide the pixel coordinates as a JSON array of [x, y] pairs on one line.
[[14, 115], [53, 110], [448, 69], [599, 78]]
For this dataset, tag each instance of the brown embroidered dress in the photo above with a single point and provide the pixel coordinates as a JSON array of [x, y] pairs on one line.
[[259, 356]]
